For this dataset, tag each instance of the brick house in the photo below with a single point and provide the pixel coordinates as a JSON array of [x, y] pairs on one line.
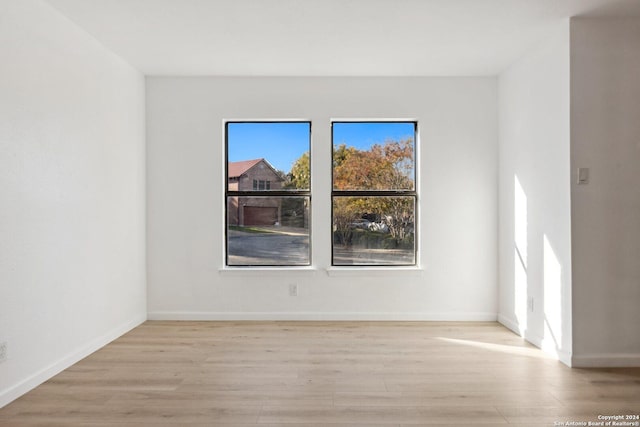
[[257, 175]]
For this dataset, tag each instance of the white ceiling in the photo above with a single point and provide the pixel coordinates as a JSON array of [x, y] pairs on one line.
[[325, 37]]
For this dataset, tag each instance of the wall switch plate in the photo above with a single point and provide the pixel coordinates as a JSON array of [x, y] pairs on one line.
[[530, 302], [293, 290], [583, 176]]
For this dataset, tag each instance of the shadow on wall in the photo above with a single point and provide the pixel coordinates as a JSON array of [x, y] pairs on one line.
[[521, 246]]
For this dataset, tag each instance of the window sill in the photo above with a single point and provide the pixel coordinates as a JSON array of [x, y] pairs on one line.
[[335, 271], [267, 271], [386, 271]]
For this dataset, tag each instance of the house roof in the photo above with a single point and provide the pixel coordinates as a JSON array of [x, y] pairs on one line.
[[238, 168]]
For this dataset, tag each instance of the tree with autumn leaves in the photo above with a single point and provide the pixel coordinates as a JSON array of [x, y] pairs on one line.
[[387, 166]]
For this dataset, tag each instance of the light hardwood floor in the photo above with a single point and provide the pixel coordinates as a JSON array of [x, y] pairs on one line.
[[323, 373]]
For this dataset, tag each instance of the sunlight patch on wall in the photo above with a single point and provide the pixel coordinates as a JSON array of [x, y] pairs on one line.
[[552, 338]]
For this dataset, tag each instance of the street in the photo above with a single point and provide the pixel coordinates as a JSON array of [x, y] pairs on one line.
[[269, 248]]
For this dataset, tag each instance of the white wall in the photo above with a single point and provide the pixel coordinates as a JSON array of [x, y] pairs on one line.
[[534, 196], [605, 137], [72, 254], [458, 199]]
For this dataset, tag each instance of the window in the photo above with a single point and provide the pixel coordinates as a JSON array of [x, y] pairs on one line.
[[268, 193], [373, 193], [259, 184]]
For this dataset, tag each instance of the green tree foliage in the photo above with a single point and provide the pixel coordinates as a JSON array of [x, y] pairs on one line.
[[295, 209], [300, 175]]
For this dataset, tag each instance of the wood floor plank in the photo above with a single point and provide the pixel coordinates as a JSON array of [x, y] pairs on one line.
[[322, 374], [551, 414], [447, 398], [382, 414]]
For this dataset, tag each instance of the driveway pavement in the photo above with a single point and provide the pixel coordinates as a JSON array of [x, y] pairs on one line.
[[290, 246], [278, 247]]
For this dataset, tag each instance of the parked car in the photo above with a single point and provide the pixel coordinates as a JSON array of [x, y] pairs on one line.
[[362, 224], [380, 227]]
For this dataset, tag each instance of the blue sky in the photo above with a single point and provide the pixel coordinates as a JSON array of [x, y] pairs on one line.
[[364, 135], [283, 143], [280, 143]]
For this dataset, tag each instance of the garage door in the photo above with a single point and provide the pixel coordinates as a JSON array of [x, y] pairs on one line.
[[254, 215]]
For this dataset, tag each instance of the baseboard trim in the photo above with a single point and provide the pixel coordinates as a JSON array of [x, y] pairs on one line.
[[549, 347], [538, 341], [606, 360], [310, 316], [510, 324], [565, 357], [13, 392]]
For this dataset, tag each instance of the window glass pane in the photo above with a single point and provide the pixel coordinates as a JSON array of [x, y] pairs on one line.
[[268, 156], [373, 156], [267, 230], [374, 230]]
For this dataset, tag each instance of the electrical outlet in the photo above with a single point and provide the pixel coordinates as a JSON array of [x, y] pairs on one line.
[[293, 290], [3, 351], [530, 304]]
